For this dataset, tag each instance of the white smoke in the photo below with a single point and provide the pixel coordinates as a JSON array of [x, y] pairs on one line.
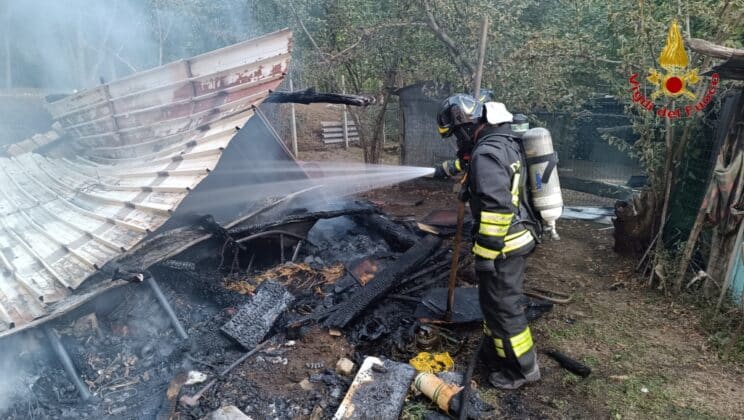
[[16, 354], [73, 44]]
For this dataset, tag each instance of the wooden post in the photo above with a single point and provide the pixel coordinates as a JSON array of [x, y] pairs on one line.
[[293, 122], [668, 173], [481, 58], [346, 117]]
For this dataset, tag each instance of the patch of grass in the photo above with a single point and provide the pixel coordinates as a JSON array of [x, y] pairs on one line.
[[643, 396], [591, 361], [721, 327], [558, 335], [607, 334], [559, 404], [570, 380], [414, 410]]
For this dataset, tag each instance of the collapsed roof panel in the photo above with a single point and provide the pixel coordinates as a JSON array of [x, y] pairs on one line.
[[129, 153]]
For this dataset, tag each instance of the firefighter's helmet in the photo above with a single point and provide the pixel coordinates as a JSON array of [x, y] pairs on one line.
[[486, 95], [458, 110]]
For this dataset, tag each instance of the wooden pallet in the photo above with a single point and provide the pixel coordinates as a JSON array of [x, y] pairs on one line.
[[333, 132]]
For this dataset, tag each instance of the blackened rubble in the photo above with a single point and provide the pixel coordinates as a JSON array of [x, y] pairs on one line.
[[134, 354]]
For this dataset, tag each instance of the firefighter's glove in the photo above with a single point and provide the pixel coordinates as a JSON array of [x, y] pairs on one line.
[[448, 169], [483, 265], [439, 172]]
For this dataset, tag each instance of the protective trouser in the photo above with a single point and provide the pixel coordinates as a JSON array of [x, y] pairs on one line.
[[509, 347]]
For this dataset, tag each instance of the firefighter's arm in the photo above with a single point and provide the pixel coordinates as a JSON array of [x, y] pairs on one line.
[[493, 185], [449, 168]]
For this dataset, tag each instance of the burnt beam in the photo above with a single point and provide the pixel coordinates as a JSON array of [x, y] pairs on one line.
[[384, 282], [310, 96]]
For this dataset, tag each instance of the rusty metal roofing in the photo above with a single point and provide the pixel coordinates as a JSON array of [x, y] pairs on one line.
[[129, 153]]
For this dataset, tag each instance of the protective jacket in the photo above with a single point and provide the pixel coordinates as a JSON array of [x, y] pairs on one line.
[[496, 187]]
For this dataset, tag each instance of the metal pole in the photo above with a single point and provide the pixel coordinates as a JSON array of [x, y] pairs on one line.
[[296, 251], [167, 307], [346, 118], [481, 58], [64, 358], [293, 122]]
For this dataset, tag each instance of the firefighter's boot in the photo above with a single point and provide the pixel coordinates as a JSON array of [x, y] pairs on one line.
[[527, 372]]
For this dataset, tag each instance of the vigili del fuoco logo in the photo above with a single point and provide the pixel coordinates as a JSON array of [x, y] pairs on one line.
[[674, 81]]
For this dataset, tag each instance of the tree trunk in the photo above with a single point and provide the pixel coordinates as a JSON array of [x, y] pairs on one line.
[[634, 223], [375, 148]]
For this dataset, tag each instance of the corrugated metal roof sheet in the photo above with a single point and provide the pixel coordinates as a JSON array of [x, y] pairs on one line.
[[132, 150]]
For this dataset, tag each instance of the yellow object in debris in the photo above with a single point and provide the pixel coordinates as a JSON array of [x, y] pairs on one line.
[[432, 362]]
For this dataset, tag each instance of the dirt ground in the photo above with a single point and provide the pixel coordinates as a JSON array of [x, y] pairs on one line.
[[649, 355]]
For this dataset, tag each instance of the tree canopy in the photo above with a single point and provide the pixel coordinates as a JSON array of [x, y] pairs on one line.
[[542, 55]]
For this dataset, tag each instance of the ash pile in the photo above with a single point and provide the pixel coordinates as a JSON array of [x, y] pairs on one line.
[[273, 317]]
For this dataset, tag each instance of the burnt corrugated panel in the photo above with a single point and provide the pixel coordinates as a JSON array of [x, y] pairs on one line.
[[130, 152]]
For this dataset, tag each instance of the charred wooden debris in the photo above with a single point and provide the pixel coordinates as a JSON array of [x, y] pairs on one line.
[[205, 297]]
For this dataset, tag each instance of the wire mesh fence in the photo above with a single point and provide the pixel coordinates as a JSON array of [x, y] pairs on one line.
[[589, 165]]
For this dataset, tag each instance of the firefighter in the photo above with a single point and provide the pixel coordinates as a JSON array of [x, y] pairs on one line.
[[454, 167], [504, 231]]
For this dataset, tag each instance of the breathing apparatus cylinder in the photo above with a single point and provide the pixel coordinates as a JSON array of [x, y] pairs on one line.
[[542, 166]]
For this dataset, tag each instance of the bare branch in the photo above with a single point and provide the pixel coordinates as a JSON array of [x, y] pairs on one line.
[[307, 33], [466, 69], [569, 56], [367, 33]]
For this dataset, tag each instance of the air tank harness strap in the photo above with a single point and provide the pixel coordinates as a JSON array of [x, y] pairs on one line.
[[516, 168], [552, 160]]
